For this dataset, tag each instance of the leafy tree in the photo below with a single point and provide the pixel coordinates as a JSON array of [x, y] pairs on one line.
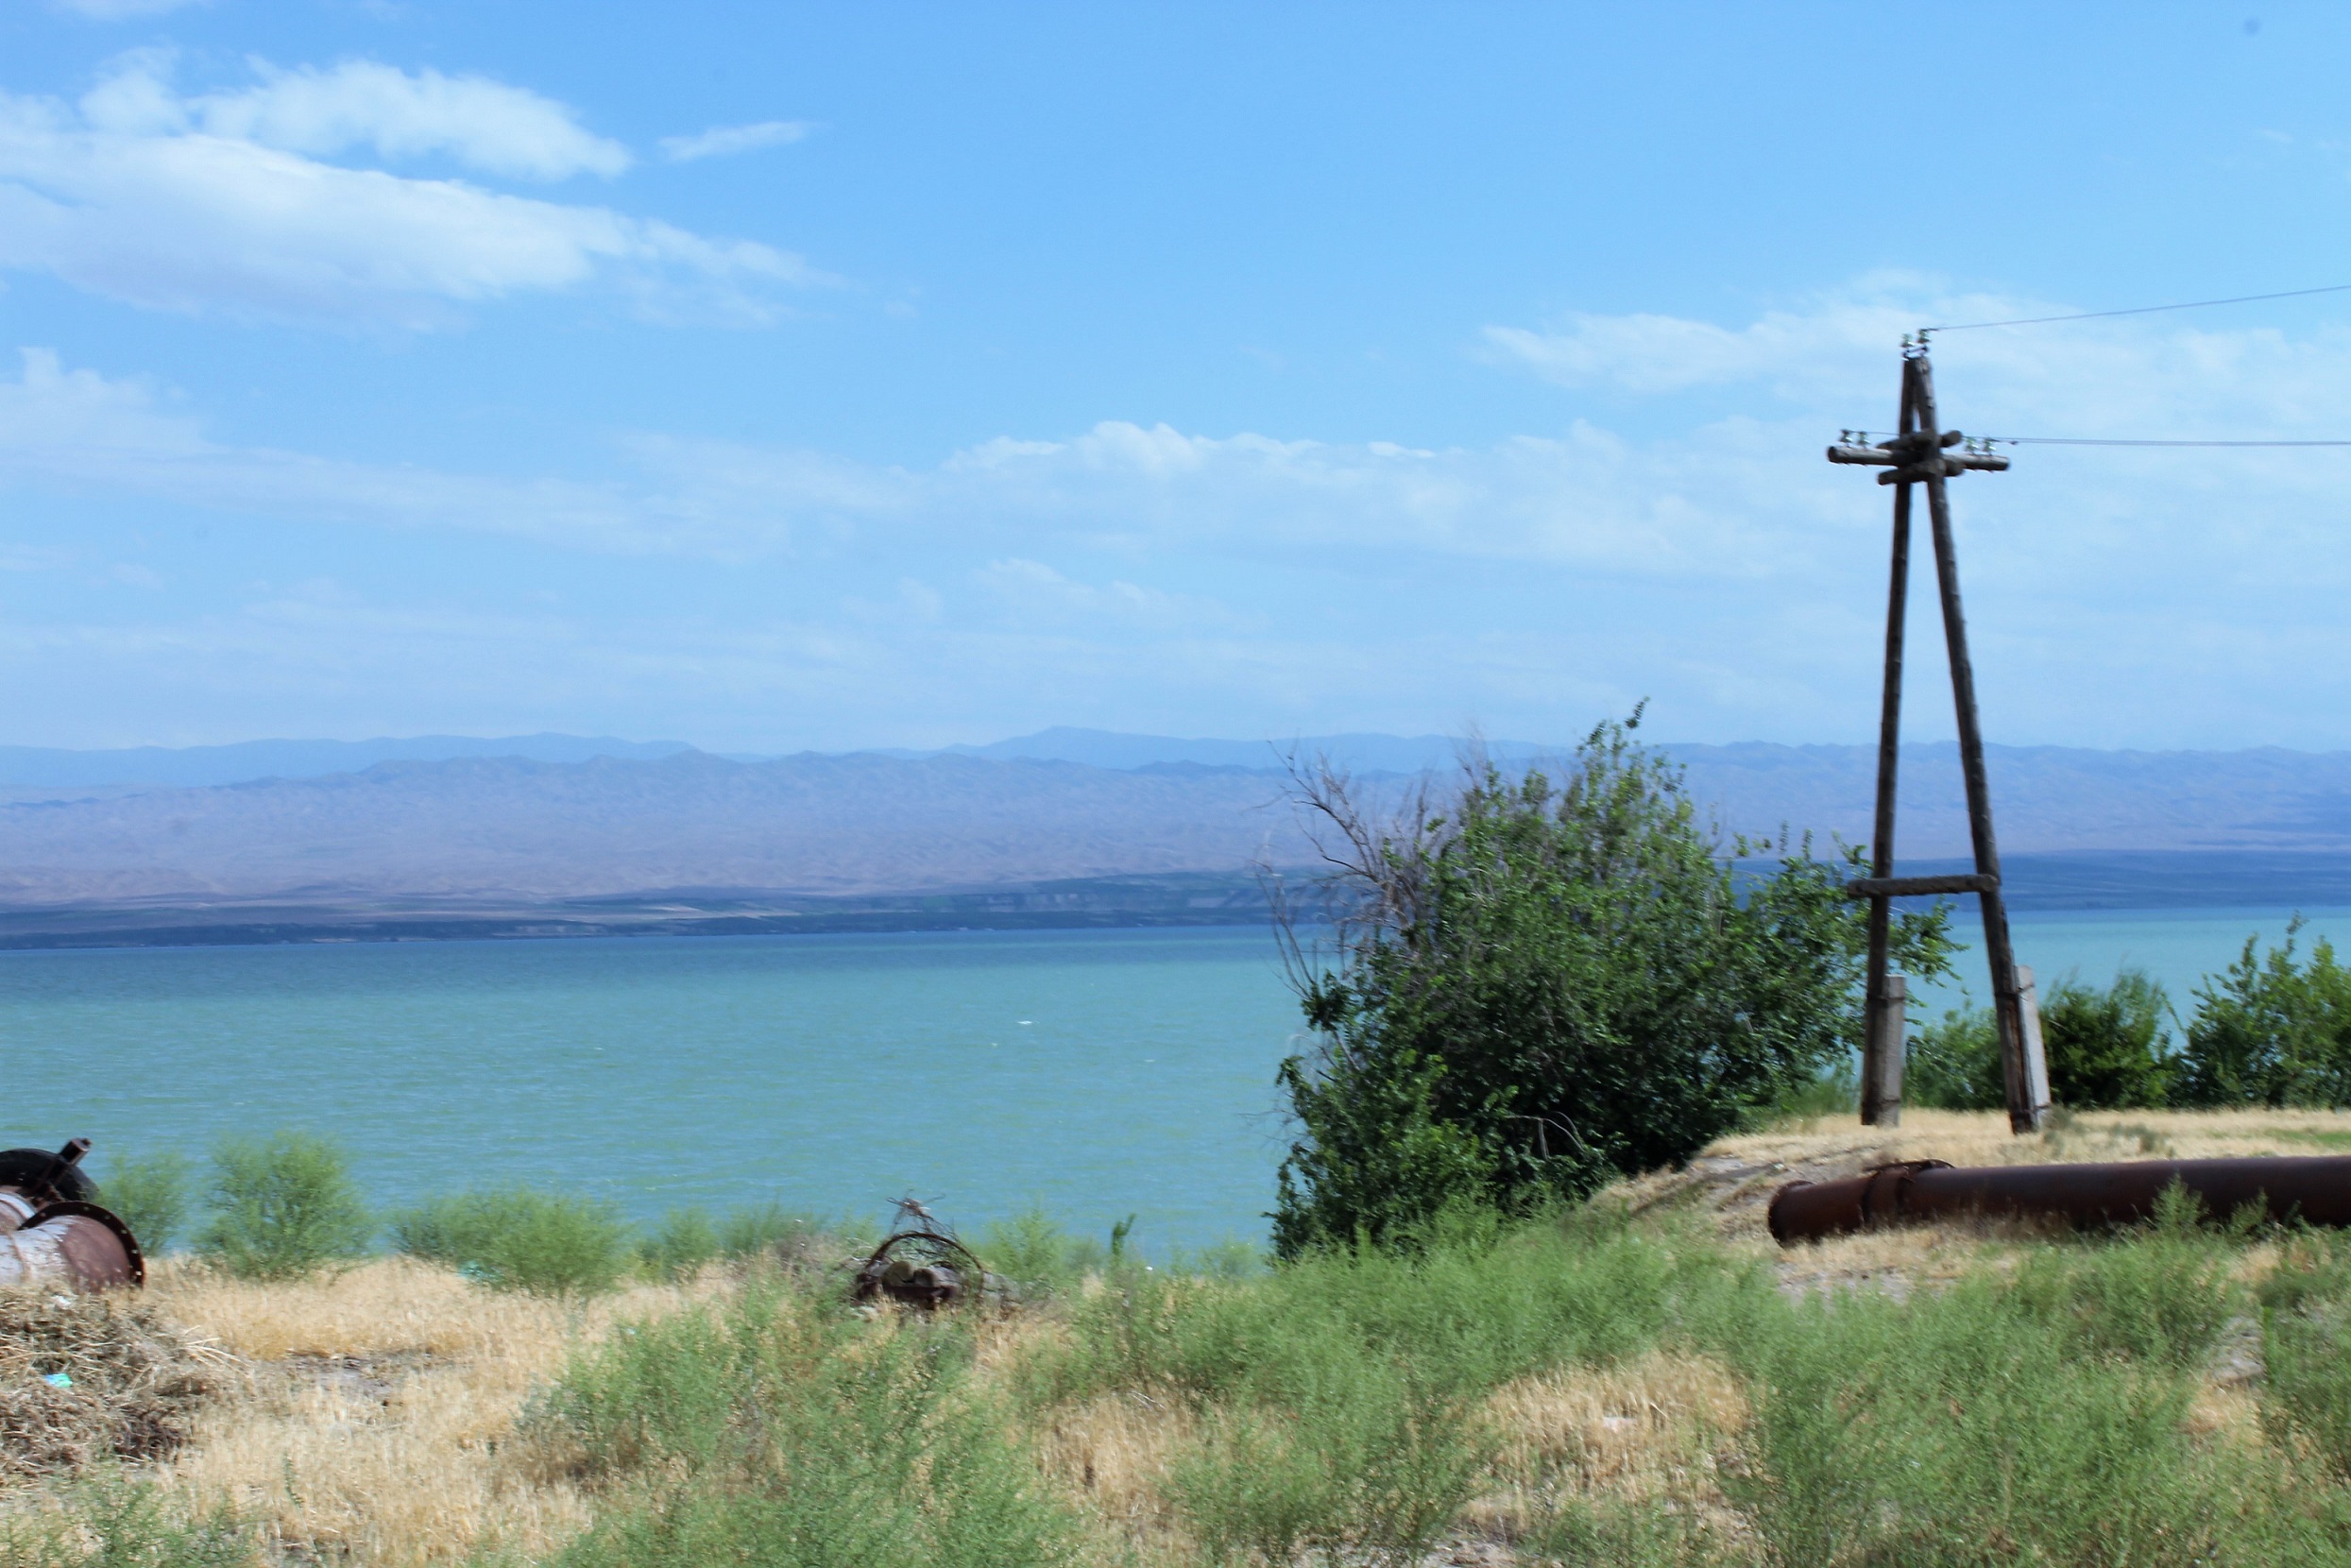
[[1539, 988], [2271, 1030], [2107, 1050]]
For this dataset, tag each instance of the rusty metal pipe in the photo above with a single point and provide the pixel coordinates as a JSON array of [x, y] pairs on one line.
[[2315, 1189]]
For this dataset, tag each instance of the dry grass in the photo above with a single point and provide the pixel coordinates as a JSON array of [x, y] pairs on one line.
[[1110, 1458], [133, 1381], [372, 1425], [366, 1418], [1645, 1432]]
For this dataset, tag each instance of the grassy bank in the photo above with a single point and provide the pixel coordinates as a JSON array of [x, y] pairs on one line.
[[1645, 1381]]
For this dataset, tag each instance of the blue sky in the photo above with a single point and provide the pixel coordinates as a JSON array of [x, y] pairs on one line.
[[773, 376]]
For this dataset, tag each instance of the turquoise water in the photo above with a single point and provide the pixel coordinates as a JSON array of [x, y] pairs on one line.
[[2178, 947], [1097, 1074]]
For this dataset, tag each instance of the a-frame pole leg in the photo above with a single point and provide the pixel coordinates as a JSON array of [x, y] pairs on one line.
[[1878, 1107], [2007, 1008]]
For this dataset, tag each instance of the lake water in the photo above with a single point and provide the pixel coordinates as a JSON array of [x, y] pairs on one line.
[[1097, 1074]]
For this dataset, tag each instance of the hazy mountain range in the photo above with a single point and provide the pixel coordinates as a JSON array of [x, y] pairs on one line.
[[535, 821]]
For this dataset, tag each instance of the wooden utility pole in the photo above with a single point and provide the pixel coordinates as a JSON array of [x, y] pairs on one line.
[[1921, 453]]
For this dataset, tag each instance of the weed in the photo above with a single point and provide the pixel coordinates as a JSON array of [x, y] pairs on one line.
[[772, 1431], [153, 1195], [1579, 1533], [2038, 1420], [680, 1245], [109, 1521], [2306, 1344], [767, 1228], [515, 1238], [284, 1208], [1037, 1255]]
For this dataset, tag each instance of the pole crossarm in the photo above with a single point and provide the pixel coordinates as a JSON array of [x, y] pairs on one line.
[[1924, 453], [1919, 457]]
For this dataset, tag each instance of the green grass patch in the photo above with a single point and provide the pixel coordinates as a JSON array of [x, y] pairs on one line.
[[518, 1238], [775, 1429]]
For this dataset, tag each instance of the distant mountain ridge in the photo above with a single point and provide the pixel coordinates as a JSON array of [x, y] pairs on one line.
[[45, 767], [1363, 753], [510, 828], [585, 823]]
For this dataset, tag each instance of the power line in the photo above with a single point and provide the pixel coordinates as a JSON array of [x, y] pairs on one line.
[[1866, 435], [2141, 310], [2102, 441]]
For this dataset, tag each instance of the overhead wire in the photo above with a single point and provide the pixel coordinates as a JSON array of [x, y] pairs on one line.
[[2106, 441], [2135, 310], [2118, 441], [2141, 310]]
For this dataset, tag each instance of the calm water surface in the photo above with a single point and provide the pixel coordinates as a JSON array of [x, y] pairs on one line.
[[2178, 947], [1096, 1073]]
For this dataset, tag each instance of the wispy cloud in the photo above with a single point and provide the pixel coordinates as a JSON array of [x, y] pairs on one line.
[[483, 125], [2125, 597], [725, 141], [221, 203]]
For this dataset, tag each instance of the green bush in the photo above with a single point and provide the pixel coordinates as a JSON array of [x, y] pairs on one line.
[[152, 1194], [1475, 1304], [2272, 1031], [1833, 1093], [108, 1519], [677, 1247], [517, 1238], [2107, 1050], [2038, 1420], [767, 1228], [772, 1431], [1334, 1396], [2306, 1347], [284, 1207], [1539, 988], [1364, 1461], [1954, 1063], [1580, 1533], [1037, 1255]]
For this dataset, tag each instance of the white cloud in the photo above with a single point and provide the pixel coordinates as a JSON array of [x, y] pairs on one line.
[[177, 203], [484, 124], [78, 431], [725, 141], [1219, 582]]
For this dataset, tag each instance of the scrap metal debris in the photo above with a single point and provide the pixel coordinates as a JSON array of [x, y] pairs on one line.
[[2315, 1189], [52, 1232], [920, 1263]]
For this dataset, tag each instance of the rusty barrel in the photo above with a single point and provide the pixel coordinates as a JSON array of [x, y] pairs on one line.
[[2315, 1189], [79, 1245]]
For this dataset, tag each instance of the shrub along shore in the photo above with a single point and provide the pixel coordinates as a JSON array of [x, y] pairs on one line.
[[2273, 1030], [1521, 1308], [1639, 1379]]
